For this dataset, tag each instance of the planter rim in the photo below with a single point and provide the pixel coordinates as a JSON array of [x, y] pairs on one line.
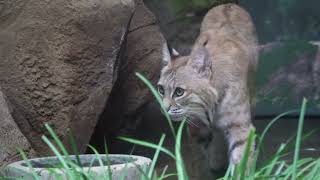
[[139, 161]]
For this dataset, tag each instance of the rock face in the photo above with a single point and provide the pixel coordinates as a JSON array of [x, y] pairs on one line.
[[144, 54], [10, 135], [144, 48], [58, 63], [180, 27]]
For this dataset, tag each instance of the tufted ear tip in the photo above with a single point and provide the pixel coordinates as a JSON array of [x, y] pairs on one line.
[[174, 53], [168, 54]]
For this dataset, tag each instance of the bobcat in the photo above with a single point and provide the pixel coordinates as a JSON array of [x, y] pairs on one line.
[[213, 87]]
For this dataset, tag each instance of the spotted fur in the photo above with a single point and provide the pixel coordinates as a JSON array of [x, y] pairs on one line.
[[217, 80]]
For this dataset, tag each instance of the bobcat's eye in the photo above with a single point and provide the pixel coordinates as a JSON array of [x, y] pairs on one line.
[[178, 92], [160, 90]]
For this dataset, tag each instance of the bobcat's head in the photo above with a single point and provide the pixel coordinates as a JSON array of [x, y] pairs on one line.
[[185, 87]]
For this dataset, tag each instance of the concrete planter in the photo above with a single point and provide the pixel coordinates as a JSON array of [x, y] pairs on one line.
[[120, 165]]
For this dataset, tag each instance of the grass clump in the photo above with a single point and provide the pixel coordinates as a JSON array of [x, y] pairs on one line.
[[275, 168]]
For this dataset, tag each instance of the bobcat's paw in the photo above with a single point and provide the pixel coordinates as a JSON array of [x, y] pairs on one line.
[[236, 155]]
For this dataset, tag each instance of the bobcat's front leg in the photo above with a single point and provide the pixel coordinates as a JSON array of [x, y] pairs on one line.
[[235, 122], [237, 135]]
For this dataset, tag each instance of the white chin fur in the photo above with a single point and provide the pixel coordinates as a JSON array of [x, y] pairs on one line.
[[176, 117]]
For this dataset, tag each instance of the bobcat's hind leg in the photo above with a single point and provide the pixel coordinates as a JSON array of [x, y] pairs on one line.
[[216, 151]]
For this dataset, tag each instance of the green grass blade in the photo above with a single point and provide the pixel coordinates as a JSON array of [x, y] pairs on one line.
[[163, 172], [74, 147], [57, 140], [76, 153], [263, 134], [261, 139], [282, 152], [228, 172], [108, 160], [275, 160], [142, 170], [148, 144], [24, 157], [158, 98], [99, 159], [298, 140], [91, 164], [292, 168], [59, 156], [150, 86], [155, 157], [279, 169], [167, 176], [307, 167], [78, 170], [125, 172], [182, 175], [263, 169], [248, 151], [314, 174], [290, 143]]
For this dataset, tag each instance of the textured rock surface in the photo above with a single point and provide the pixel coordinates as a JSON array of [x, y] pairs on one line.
[[130, 95], [180, 27], [144, 53], [59, 61], [10, 136]]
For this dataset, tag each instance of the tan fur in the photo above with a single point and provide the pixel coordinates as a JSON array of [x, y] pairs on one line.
[[218, 78]]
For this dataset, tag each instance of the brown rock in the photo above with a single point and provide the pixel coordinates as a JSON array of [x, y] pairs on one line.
[[58, 63], [144, 55], [10, 136], [130, 95]]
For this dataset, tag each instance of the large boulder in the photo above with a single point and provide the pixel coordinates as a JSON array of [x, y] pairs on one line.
[[58, 63], [11, 137], [144, 54], [130, 96]]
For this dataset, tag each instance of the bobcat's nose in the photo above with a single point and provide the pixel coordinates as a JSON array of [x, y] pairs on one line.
[[166, 104]]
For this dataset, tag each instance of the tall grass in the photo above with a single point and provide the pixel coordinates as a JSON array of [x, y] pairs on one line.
[[275, 168]]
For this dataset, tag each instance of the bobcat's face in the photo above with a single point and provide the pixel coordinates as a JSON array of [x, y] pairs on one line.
[[185, 88]]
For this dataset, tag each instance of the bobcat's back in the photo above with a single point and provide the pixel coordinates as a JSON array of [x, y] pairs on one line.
[[229, 35]]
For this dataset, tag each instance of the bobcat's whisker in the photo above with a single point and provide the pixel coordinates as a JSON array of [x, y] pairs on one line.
[[191, 123]]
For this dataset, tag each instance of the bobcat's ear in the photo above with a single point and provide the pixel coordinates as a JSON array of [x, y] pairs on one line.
[[168, 54], [174, 53], [200, 60]]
